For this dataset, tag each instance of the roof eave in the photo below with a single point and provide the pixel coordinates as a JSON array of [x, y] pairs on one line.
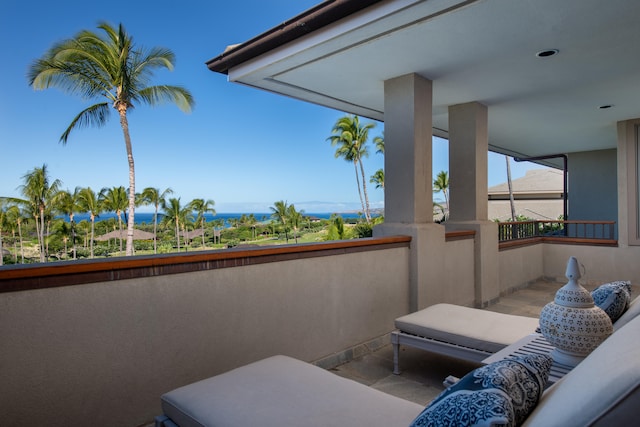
[[311, 20]]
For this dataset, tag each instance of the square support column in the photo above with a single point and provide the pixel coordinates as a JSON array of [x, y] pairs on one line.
[[408, 152], [468, 157], [468, 185], [408, 183]]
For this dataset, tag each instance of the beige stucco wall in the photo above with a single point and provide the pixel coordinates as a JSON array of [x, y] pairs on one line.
[[520, 266], [102, 354], [602, 264]]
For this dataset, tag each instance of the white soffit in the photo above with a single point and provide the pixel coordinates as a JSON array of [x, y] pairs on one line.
[[483, 51]]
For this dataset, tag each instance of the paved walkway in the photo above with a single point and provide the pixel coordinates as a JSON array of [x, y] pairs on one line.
[[422, 372]]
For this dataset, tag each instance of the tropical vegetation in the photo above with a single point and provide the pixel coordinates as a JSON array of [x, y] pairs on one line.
[[42, 224], [351, 138], [111, 67]]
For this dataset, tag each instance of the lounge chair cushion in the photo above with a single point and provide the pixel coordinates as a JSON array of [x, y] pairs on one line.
[[613, 298], [632, 312], [603, 390], [283, 392], [468, 327], [501, 393]]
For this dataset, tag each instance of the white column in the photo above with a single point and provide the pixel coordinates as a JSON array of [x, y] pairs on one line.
[[408, 150], [468, 155], [468, 184], [408, 185]]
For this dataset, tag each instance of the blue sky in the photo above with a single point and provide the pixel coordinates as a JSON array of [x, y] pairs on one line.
[[242, 147]]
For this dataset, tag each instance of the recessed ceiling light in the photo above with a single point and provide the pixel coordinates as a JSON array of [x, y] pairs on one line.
[[547, 53], [604, 107]]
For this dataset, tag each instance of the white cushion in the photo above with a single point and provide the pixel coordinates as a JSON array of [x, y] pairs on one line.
[[283, 392], [466, 326], [603, 390]]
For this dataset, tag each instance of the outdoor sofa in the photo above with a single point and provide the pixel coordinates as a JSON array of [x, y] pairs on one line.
[[603, 390]]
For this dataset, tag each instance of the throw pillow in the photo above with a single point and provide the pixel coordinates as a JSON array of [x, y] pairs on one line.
[[613, 298], [499, 394]]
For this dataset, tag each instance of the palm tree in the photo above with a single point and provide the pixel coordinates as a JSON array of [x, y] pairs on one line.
[[176, 215], [351, 138], [378, 178], [295, 219], [113, 68], [40, 197], [441, 183], [155, 197], [4, 225], [280, 212], [378, 141], [202, 207], [89, 202], [16, 215], [114, 200], [68, 205]]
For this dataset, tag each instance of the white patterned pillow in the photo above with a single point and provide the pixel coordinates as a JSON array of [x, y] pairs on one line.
[[613, 298], [499, 394]]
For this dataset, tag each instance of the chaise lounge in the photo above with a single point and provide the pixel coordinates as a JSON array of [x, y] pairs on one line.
[[463, 332], [281, 391]]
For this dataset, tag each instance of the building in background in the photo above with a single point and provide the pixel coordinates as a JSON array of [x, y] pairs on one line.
[[537, 195]]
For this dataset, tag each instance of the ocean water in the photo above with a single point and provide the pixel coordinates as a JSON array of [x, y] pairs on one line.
[[147, 217]]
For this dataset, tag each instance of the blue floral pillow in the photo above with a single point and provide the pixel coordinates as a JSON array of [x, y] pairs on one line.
[[613, 298], [499, 394]]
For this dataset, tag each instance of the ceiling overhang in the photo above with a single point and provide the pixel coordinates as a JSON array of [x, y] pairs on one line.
[[474, 50]]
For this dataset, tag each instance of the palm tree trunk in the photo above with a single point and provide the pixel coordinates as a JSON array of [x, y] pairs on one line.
[[92, 229], [178, 234], [21, 246], [15, 248], [122, 110], [41, 236], [355, 167], [367, 212], [120, 229], [73, 234], [155, 228]]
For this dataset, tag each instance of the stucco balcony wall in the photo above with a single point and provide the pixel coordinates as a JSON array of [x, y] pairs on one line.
[[102, 353], [520, 266]]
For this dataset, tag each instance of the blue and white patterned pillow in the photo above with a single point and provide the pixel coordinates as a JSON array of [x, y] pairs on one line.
[[499, 394], [613, 298]]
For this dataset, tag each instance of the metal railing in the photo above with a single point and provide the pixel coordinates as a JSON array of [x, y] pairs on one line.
[[591, 230]]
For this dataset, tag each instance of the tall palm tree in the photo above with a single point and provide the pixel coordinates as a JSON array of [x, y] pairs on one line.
[[40, 196], [111, 67], [295, 219], [89, 202], [351, 138], [114, 200], [280, 212], [68, 205], [201, 208], [441, 183], [156, 197], [4, 224], [16, 216], [175, 214]]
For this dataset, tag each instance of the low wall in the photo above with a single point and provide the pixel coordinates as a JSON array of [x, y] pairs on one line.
[[102, 353], [601, 264], [519, 266]]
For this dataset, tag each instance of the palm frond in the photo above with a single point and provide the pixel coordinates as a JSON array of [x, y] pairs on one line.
[[161, 94], [95, 115]]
